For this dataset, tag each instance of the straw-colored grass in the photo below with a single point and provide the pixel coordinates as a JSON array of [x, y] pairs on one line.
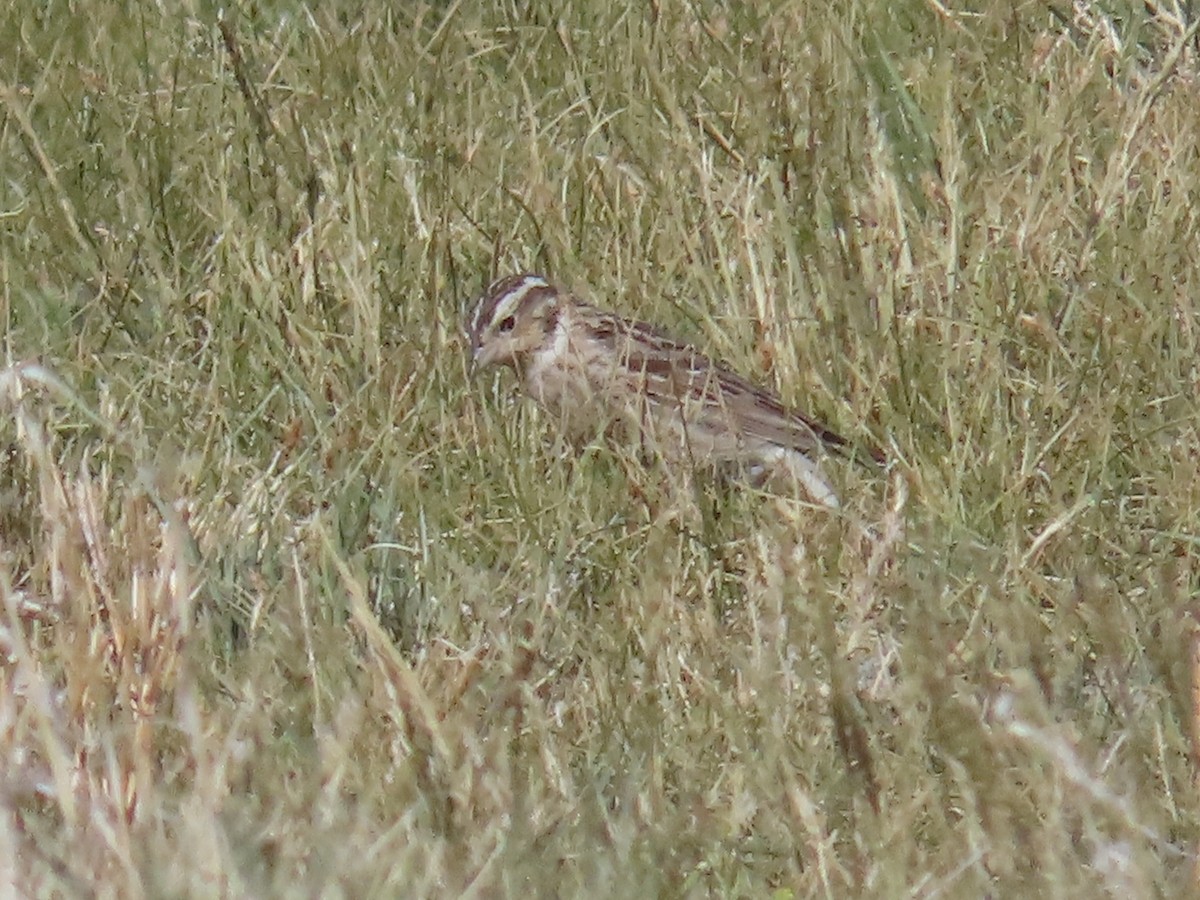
[[293, 607]]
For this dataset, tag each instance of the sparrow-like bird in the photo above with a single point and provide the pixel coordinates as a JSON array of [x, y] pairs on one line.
[[597, 373]]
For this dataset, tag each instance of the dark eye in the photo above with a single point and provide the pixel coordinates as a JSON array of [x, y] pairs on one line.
[[507, 325]]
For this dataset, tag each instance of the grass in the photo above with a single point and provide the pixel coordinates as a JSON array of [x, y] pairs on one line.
[[292, 607]]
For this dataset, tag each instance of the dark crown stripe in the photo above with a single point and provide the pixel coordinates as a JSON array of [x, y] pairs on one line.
[[501, 294]]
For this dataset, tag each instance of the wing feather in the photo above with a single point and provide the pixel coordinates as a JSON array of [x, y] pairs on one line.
[[673, 371]]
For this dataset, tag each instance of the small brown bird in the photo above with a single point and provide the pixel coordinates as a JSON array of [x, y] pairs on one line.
[[598, 373]]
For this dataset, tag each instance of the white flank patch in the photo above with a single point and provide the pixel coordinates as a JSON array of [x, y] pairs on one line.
[[808, 473]]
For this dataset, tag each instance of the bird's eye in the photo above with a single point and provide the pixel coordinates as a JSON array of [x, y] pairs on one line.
[[507, 325]]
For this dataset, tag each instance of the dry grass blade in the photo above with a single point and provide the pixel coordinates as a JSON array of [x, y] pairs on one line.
[[292, 607]]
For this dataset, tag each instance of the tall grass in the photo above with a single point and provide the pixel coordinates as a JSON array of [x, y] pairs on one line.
[[293, 607]]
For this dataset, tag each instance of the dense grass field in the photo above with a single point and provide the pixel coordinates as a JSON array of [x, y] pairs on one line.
[[292, 606]]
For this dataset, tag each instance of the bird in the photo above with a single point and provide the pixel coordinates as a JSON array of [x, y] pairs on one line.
[[598, 374]]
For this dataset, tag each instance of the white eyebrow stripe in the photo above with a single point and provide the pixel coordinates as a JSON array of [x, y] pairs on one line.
[[491, 305], [510, 301]]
